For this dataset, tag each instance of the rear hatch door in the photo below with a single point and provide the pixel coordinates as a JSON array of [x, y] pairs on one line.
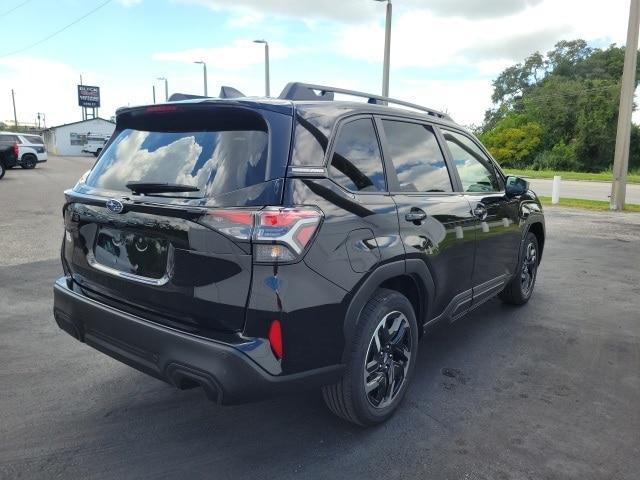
[[147, 230]]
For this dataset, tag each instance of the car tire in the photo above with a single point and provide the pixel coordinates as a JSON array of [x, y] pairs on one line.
[[380, 361], [29, 161], [97, 152], [2, 170], [519, 290]]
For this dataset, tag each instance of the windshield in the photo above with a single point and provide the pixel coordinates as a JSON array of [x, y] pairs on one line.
[[213, 161]]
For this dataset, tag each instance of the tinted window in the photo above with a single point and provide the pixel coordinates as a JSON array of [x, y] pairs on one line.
[[9, 138], [34, 139], [310, 144], [475, 169], [356, 162], [214, 161], [417, 157]]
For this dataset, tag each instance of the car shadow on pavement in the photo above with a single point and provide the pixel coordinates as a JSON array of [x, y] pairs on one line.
[[141, 415]]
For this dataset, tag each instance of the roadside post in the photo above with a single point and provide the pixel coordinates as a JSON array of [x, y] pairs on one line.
[[555, 192]]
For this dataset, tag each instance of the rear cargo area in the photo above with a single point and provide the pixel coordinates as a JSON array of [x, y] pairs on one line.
[[139, 235]]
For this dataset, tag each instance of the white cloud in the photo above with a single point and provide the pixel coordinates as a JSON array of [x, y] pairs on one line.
[[364, 10], [239, 55], [450, 35], [50, 87], [464, 100], [422, 39]]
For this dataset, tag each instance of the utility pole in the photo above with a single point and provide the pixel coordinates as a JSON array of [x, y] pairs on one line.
[[623, 137], [15, 116], [154, 94]]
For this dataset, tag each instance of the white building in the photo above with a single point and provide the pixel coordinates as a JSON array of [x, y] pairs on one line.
[[70, 138]]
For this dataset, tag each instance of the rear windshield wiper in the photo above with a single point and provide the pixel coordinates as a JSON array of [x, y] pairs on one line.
[[155, 187]]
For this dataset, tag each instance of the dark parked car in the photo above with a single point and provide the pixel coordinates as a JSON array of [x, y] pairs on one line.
[[259, 246]]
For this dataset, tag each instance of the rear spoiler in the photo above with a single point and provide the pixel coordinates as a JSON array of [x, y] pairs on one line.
[[225, 92]]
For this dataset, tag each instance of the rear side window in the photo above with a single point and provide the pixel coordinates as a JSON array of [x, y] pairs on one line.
[[34, 139], [357, 162], [417, 158], [216, 161], [9, 138], [474, 167]]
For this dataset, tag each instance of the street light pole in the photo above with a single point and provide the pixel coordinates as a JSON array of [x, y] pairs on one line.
[[15, 116], [387, 49], [166, 88], [204, 69], [623, 137], [266, 66]]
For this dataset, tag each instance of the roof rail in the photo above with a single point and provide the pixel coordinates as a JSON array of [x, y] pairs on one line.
[[307, 91]]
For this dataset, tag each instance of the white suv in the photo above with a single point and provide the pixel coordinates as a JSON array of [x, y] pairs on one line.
[[30, 147]]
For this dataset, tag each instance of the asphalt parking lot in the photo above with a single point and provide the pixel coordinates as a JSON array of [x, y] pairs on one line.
[[548, 391]]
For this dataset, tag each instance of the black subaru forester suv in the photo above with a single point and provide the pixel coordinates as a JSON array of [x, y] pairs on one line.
[[256, 246]]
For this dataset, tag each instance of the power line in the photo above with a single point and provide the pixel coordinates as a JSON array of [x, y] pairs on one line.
[[57, 31], [7, 12]]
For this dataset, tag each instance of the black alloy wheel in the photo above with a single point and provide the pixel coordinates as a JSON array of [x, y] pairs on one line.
[[380, 360], [29, 162], [388, 359], [529, 268]]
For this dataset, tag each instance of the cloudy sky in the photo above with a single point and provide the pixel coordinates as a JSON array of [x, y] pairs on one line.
[[445, 53]]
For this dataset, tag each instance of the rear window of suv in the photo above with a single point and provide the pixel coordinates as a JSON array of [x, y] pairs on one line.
[[34, 139], [214, 158]]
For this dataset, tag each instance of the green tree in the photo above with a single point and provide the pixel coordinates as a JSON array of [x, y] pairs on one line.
[[596, 125], [567, 101], [514, 140]]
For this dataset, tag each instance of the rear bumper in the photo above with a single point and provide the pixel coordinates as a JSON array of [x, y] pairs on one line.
[[226, 374]]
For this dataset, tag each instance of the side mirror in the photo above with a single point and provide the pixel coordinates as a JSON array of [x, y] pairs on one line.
[[516, 186]]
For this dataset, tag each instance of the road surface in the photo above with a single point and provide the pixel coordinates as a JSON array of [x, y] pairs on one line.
[[586, 190], [547, 391]]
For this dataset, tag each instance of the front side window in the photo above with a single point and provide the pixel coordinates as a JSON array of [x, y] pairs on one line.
[[474, 167], [417, 157], [357, 162]]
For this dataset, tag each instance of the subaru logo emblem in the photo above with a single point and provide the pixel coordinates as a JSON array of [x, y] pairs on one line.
[[115, 206]]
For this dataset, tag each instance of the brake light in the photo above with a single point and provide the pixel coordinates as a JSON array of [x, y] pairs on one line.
[[275, 338], [235, 223], [278, 234], [16, 149], [162, 109]]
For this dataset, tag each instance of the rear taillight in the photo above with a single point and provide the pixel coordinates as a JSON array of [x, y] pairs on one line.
[[16, 149], [275, 338], [278, 234]]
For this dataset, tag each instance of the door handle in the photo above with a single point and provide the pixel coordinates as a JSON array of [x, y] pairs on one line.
[[480, 211], [416, 215]]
